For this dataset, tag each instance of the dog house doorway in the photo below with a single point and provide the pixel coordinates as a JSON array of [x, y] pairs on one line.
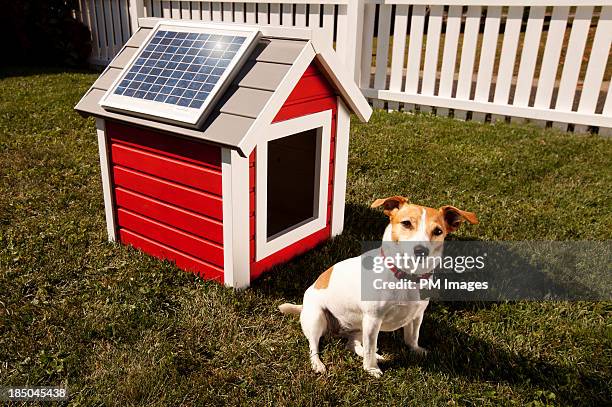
[[292, 181]]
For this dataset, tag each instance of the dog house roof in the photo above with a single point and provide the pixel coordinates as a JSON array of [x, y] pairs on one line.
[[254, 96]]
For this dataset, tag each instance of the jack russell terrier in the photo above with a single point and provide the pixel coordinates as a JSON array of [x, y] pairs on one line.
[[333, 304]]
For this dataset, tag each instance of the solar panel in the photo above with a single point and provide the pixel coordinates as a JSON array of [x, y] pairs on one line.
[[179, 71]]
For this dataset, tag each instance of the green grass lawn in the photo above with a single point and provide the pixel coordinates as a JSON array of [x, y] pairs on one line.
[[118, 327]]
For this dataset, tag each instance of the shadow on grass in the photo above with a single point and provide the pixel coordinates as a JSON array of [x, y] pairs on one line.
[[33, 70], [456, 353], [453, 352]]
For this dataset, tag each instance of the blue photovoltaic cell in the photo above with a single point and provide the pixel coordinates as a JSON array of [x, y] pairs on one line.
[[179, 68]]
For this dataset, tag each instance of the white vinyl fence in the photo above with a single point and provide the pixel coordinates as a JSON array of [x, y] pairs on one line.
[[543, 61]]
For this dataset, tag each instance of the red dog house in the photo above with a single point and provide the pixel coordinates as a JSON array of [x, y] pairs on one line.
[[223, 147]]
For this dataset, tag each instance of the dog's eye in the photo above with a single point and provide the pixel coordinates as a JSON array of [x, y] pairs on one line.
[[437, 232], [407, 224]]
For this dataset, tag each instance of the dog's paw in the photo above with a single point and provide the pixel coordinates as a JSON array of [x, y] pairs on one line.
[[419, 351], [374, 371], [318, 366], [359, 351]]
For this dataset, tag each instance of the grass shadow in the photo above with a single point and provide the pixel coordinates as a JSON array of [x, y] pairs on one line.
[[10, 71], [456, 353]]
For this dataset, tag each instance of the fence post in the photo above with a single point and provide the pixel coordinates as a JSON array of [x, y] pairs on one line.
[[136, 11], [349, 45]]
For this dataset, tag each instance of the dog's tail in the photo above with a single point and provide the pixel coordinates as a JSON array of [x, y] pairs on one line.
[[288, 308]]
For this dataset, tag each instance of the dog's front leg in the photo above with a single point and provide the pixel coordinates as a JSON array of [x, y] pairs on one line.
[[370, 329], [411, 335]]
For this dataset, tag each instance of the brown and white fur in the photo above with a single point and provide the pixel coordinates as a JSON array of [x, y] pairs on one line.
[[333, 303]]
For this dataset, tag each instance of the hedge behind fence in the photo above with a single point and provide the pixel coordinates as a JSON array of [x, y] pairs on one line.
[[43, 32]]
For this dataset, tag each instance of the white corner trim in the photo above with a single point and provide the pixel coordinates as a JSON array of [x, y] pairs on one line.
[[226, 196], [105, 170], [323, 120], [235, 189], [340, 168], [261, 125]]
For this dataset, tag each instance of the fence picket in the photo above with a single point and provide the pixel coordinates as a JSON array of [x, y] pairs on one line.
[[449, 59], [262, 13], [430, 68], [251, 13], [156, 8], [275, 18], [415, 47], [205, 10], [216, 12], [468, 54], [607, 111], [342, 39], [176, 9], [382, 50], [487, 58], [83, 14], [185, 10], [95, 44], [228, 12], [524, 80], [287, 14], [399, 47], [239, 13], [88, 19], [196, 11], [597, 62], [116, 22], [368, 37], [514, 21], [102, 39], [108, 22], [300, 15], [125, 21], [166, 11], [550, 60], [328, 22], [314, 14]]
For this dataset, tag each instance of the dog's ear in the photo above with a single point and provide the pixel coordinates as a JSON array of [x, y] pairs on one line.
[[455, 217], [389, 204]]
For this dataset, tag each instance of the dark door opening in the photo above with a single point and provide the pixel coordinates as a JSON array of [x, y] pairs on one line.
[[293, 181]]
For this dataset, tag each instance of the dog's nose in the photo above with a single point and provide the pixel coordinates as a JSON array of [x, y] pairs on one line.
[[421, 251]]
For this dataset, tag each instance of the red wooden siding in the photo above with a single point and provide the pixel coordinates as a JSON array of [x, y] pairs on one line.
[[167, 193], [171, 169], [171, 215], [181, 259], [312, 94], [179, 195]]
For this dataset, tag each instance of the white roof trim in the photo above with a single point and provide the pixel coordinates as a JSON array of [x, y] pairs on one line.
[[277, 99], [349, 92], [347, 87]]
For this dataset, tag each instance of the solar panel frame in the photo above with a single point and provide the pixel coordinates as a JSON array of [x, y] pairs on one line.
[[174, 113]]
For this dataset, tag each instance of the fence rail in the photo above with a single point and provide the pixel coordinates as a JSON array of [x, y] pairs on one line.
[[472, 59]]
